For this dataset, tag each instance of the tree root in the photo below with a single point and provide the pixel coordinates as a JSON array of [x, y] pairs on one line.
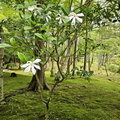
[[17, 92]]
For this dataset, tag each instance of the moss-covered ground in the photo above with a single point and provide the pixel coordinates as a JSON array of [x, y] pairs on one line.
[[73, 99]]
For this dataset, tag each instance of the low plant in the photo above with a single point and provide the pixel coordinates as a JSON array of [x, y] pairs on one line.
[[114, 68], [83, 73]]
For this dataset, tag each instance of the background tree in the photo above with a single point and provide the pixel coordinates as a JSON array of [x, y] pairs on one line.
[[1, 63]]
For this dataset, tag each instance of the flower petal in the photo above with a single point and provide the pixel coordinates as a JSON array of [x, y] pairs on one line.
[[73, 21], [66, 17], [60, 21], [37, 60], [80, 14], [37, 67], [71, 17], [72, 14], [79, 19], [27, 69], [25, 65], [57, 18], [47, 19], [33, 70]]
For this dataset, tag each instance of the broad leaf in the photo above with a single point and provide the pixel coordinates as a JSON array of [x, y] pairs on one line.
[[3, 45], [65, 11], [39, 35], [2, 17], [22, 57], [13, 41], [27, 28]]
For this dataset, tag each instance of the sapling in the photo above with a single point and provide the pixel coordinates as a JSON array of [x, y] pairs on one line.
[[32, 66]]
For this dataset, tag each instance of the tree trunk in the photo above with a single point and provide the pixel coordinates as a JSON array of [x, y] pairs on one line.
[[19, 64], [89, 65], [64, 61], [40, 73], [86, 47], [1, 64], [34, 86], [100, 60], [68, 65], [52, 68], [74, 57], [105, 63]]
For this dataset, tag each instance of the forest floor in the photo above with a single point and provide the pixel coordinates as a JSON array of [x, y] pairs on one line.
[[73, 99]]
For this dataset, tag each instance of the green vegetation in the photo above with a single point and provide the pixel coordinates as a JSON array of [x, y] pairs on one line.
[[115, 64], [73, 99], [77, 43]]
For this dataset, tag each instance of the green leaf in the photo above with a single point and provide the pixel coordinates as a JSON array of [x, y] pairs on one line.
[[91, 72], [28, 15], [52, 38], [65, 11], [13, 41], [79, 73], [3, 45], [27, 28], [39, 35], [74, 69], [2, 17], [50, 5], [22, 57]]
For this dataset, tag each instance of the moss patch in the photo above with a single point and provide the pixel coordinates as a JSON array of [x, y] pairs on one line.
[[74, 99]]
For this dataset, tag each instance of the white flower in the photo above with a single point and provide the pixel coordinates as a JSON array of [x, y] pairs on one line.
[[31, 8], [31, 66], [61, 18], [73, 16], [48, 16]]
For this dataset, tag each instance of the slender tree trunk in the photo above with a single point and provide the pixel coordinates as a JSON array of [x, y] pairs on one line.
[[100, 61], [85, 56], [68, 65], [1, 64], [86, 46], [74, 57], [106, 69], [52, 68], [105, 63], [89, 65], [19, 64], [92, 60], [64, 62]]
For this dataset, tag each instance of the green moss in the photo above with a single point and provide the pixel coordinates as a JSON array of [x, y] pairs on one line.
[[74, 99]]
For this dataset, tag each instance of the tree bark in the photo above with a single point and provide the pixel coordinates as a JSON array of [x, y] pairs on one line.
[[39, 52], [1, 64], [68, 65], [34, 86], [86, 46], [64, 61], [52, 68], [74, 57], [40, 73], [89, 65]]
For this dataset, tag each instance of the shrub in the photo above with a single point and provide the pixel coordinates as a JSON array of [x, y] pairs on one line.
[[114, 68]]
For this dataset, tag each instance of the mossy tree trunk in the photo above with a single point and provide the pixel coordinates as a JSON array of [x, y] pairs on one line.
[[1, 64]]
